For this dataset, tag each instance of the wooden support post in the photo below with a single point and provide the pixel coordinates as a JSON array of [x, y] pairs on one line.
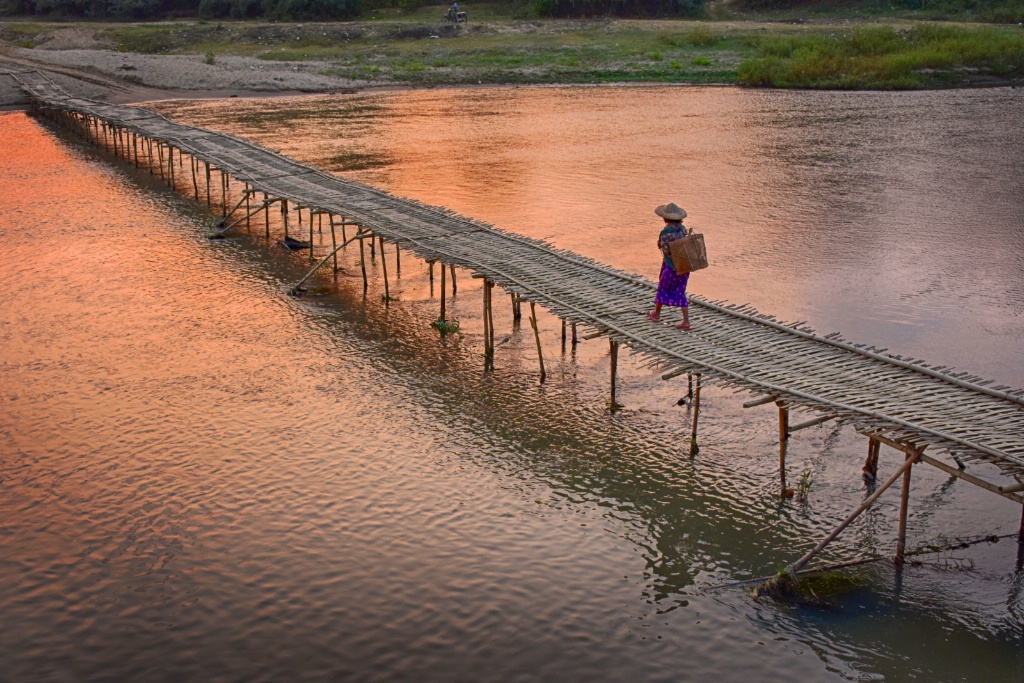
[[398, 261], [696, 413], [334, 242], [870, 468], [614, 363], [689, 386], [575, 339], [901, 536], [431, 278], [490, 316], [536, 336], [442, 293], [783, 438], [563, 335], [362, 263], [170, 165], [248, 211], [209, 202], [135, 148], [455, 285], [224, 193], [311, 235], [384, 267], [488, 351], [195, 185], [266, 214], [284, 216]]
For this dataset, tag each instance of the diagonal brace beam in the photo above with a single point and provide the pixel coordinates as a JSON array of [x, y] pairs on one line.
[[222, 228], [361, 234]]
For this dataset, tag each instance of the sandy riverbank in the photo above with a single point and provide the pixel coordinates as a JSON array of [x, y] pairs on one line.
[[128, 77]]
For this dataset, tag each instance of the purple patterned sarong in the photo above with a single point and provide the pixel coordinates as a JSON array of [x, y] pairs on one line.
[[671, 288]]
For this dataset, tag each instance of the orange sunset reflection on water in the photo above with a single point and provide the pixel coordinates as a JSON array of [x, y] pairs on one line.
[[204, 478]]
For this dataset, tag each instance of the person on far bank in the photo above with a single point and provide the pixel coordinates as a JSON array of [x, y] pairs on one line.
[[671, 287]]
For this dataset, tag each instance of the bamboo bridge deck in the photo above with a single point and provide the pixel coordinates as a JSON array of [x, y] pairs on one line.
[[898, 401]]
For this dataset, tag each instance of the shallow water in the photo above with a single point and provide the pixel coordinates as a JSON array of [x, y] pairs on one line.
[[204, 479]]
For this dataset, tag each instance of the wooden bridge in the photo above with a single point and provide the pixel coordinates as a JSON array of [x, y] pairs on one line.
[[900, 402]]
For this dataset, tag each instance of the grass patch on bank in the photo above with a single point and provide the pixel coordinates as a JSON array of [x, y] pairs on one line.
[[887, 58]]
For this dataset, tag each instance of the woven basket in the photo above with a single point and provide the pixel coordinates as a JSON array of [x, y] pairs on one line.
[[688, 253]]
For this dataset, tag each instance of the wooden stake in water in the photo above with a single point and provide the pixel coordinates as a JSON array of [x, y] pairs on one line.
[[490, 317], [696, 412], [614, 362], [870, 468], [442, 293], [536, 336], [487, 336], [311, 235], [783, 439], [384, 268], [362, 263], [334, 241], [901, 536]]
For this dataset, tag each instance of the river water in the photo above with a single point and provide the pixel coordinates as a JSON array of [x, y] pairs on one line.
[[204, 479]]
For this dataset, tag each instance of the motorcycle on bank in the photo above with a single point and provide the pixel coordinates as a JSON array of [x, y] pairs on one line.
[[456, 16]]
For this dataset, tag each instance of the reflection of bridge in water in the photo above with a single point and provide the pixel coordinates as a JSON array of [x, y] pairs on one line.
[[899, 402]]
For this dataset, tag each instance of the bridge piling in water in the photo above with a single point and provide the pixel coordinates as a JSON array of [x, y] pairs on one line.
[[899, 402]]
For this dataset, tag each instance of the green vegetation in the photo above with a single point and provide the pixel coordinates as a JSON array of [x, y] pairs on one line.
[[410, 45], [450, 326], [887, 58], [803, 487]]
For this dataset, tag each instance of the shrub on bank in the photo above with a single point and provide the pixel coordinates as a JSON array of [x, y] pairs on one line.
[[884, 58]]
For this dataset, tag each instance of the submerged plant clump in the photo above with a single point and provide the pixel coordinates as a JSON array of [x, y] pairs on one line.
[[449, 326]]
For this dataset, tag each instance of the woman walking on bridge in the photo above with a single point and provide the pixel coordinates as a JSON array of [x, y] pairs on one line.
[[671, 287]]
